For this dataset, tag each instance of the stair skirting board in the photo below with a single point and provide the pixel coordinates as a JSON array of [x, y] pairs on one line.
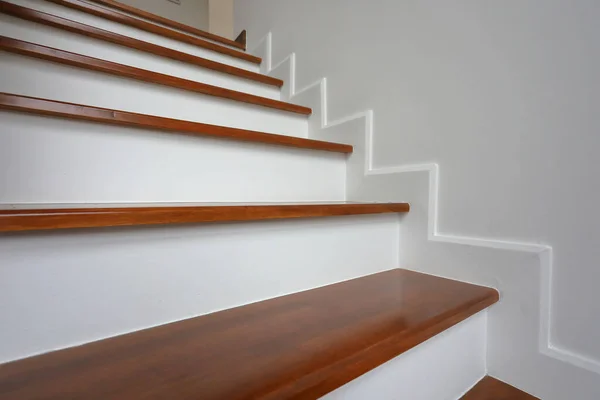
[[544, 252]]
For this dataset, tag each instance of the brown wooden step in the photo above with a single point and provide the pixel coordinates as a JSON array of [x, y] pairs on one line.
[[53, 108], [100, 34], [117, 5], [125, 71], [69, 218], [299, 346], [124, 19], [492, 389]]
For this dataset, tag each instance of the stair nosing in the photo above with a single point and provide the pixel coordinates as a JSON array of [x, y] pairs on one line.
[[312, 342], [79, 28], [127, 20], [21, 220], [61, 109], [125, 71], [401, 342], [169, 22]]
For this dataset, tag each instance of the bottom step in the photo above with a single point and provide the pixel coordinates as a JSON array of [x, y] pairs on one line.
[[493, 389], [302, 345]]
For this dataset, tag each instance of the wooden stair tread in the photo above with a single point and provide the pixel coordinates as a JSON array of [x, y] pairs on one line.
[[125, 71], [492, 389], [92, 217], [302, 345], [124, 19], [168, 22], [53, 108], [100, 34]]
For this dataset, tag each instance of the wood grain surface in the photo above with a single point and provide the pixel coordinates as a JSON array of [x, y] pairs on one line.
[[492, 389], [45, 219]]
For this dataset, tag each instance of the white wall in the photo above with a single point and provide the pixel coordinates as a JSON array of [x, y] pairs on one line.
[[220, 18], [502, 96], [190, 12]]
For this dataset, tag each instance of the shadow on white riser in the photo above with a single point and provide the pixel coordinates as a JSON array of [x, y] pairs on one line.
[[110, 26], [71, 287], [442, 368], [48, 159], [40, 34], [37, 78]]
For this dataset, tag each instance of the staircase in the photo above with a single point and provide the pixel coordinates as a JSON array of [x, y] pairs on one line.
[[167, 231]]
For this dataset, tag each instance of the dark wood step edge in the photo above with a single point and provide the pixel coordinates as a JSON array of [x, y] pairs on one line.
[[95, 64], [123, 118], [120, 18], [241, 38], [100, 34], [168, 22], [493, 389], [30, 220]]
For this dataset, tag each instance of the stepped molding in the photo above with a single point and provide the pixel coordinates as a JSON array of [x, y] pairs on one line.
[[544, 252]]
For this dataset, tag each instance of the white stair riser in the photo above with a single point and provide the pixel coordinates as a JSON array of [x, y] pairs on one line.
[[47, 36], [68, 288], [442, 368], [125, 30], [38, 78], [58, 160]]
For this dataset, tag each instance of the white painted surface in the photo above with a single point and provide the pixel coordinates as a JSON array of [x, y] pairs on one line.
[[66, 288], [502, 98], [53, 160], [125, 30], [220, 18], [442, 368], [190, 12]]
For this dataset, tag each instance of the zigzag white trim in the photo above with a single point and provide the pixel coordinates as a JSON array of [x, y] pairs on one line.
[[545, 252]]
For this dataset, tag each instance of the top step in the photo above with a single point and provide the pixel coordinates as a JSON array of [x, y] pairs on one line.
[[492, 389], [167, 22], [299, 346], [126, 20]]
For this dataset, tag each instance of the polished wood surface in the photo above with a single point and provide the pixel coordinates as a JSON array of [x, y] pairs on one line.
[[95, 64], [299, 346], [122, 118], [124, 19], [47, 219], [100, 34], [492, 389], [167, 22]]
